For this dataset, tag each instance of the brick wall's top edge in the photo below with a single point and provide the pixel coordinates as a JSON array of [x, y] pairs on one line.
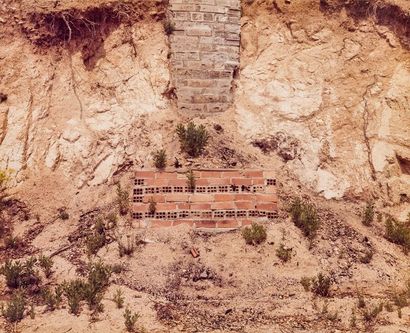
[[182, 170]]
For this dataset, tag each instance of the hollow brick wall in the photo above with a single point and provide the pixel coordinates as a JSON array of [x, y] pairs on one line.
[[221, 199], [204, 53]]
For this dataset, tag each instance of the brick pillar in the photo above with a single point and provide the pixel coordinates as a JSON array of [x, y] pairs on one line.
[[204, 53]]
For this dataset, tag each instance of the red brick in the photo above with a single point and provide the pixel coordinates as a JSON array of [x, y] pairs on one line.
[[149, 182], [198, 197], [223, 205], [269, 174], [156, 197], [270, 207], [161, 182], [231, 174], [177, 197], [177, 182], [160, 223], [183, 206], [246, 222], [200, 206], [205, 224], [245, 205], [253, 173], [188, 222], [224, 197], [140, 208], [241, 181], [227, 224], [258, 181], [166, 207], [167, 175], [219, 181], [144, 174], [211, 174], [245, 197], [266, 197], [270, 189], [202, 182]]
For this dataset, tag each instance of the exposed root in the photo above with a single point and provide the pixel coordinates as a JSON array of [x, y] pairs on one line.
[[86, 30], [387, 14]]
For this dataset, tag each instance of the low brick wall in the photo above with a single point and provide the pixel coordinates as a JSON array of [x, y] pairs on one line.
[[204, 53], [221, 198]]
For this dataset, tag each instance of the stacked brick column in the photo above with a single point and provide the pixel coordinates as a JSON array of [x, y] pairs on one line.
[[204, 52], [221, 198]]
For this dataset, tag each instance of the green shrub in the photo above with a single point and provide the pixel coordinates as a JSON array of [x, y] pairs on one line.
[[14, 310], [193, 139], [74, 291], [52, 298], [398, 233], [94, 242], [123, 200], [13, 243], [370, 314], [4, 178], [99, 275], [160, 159], [283, 253], [191, 181], [130, 320], [305, 217], [321, 285], [46, 263], [368, 214], [152, 208], [306, 283], [126, 249], [255, 234], [20, 275], [118, 298], [169, 27]]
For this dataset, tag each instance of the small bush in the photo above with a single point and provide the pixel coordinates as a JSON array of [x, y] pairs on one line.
[[46, 263], [126, 249], [321, 285], [255, 234], [13, 243], [95, 242], [74, 291], [368, 215], [306, 283], [398, 233], [191, 181], [130, 320], [118, 298], [123, 200], [49, 299], [14, 310], [193, 139], [283, 253], [160, 159], [169, 27], [99, 275], [152, 208], [20, 275], [305, 217], [370, 314]]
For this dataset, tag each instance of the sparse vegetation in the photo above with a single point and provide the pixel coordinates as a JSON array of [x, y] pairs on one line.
[[123, 200], [73, 290], [13, 243], [152, 208], [169, 27], [126, 249], [193, 139], [306, 283], [370, 313], [191, 181], [46, 263], [160, 159], [368, 214], [130, 320], [14, 310], [321, 285], [255, 234], [118, 298], [19, 274], [284, 253], [398, 233], [305, 217]]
